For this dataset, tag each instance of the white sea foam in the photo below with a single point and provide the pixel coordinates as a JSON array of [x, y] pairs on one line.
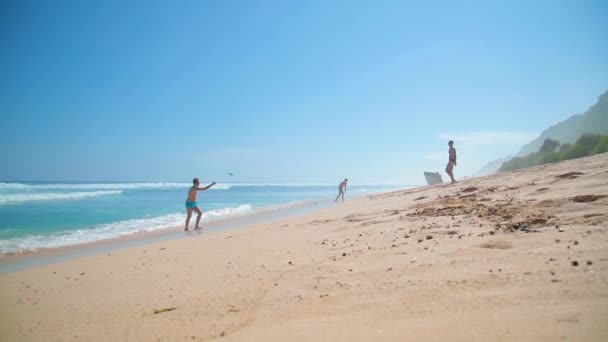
[[28, 197], [281, 184], [145, 185], [111, 230], [92, 186], [11, 186], [221, 186]]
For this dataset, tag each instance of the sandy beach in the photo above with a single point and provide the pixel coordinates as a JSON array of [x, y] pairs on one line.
[[520, 256]]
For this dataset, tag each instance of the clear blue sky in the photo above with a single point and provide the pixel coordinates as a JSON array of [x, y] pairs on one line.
[[287, 91]]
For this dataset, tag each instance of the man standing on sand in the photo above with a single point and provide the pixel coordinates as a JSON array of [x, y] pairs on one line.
[[451, 162], [191, 202], [341, 189]]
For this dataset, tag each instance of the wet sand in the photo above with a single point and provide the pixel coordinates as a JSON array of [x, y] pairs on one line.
[[513, 256]]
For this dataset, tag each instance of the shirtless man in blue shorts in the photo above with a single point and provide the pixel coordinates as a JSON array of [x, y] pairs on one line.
[[191, 202]]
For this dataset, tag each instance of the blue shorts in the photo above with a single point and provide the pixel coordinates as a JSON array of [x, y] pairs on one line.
[[191, 205]]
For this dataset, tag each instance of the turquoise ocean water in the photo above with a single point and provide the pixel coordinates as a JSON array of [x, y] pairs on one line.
[[37, 215]]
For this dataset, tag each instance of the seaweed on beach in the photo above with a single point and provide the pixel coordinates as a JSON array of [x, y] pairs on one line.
[[158, 311]]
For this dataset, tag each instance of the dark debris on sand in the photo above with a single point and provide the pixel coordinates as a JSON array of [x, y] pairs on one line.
[[587, 198], [507, 214], [570, 175]]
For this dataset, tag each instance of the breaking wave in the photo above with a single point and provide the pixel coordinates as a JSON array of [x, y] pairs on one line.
[[110, 230], [19, 198]]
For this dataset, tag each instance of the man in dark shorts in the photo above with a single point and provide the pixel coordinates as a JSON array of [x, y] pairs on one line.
[[191, 202], [452, 162]]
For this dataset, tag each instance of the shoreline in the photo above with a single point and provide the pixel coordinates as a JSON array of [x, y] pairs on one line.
[[12, 262], [32, 240]]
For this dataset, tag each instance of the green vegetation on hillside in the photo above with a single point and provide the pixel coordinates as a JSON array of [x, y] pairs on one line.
[[594, 121], [552, 152]]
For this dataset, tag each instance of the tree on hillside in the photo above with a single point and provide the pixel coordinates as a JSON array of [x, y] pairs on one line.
[[549, 145], [602, 146]]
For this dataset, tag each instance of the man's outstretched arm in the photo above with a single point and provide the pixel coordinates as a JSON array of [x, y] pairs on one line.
[[207, 187]]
